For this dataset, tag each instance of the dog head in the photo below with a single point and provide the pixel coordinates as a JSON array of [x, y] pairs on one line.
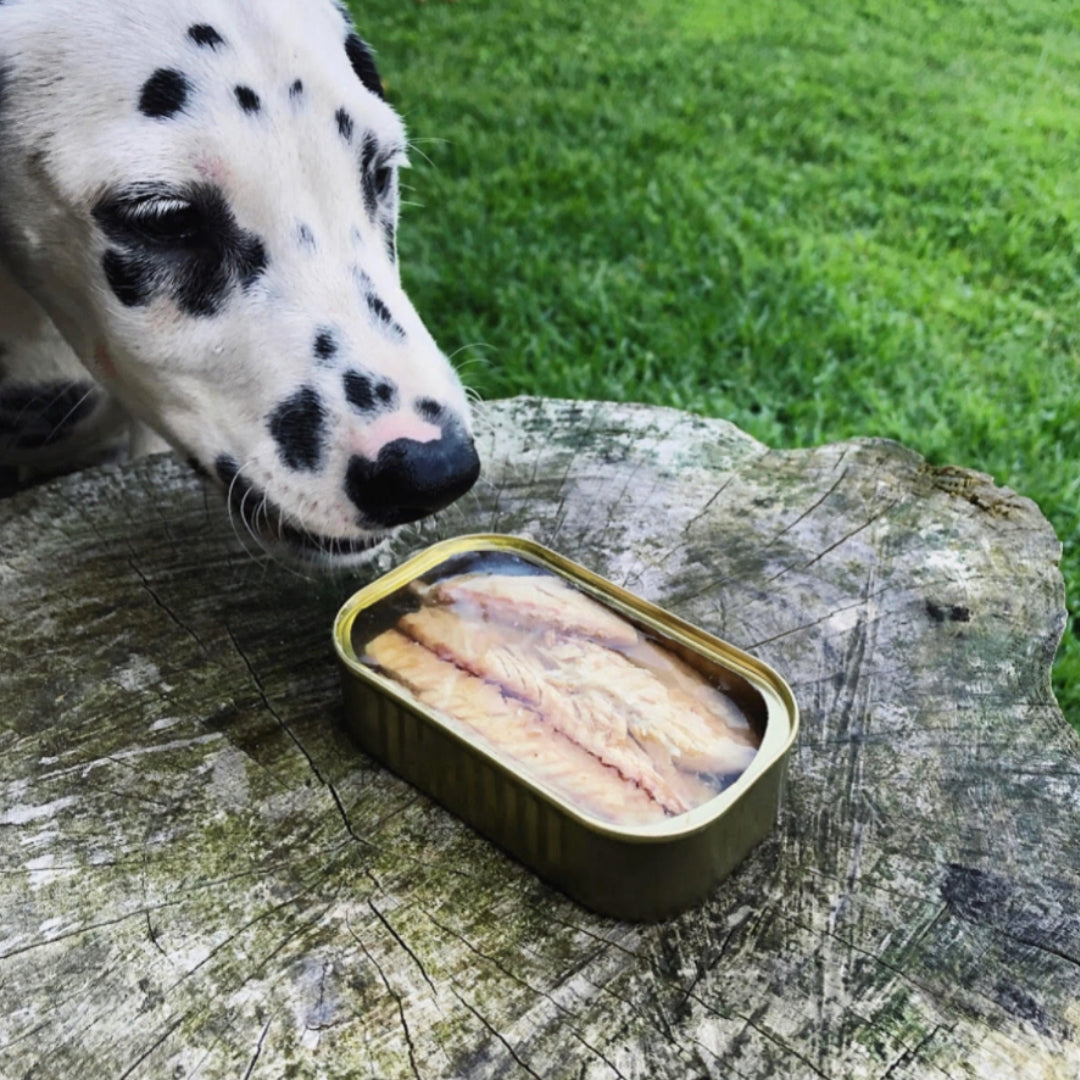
[[204, 198]]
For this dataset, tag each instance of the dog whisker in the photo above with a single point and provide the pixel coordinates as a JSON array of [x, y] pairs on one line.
[[413, 146], [471, 345]]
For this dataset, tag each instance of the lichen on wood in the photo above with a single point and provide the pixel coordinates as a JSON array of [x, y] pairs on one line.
[[200, 875]]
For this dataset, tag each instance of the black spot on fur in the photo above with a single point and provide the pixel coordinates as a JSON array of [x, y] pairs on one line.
[[226, 468], [192, 250], [367, 177], [297, 89], [205, 35], [368, 395], [363, 282], [375, 305], [344, 124], [326, 345], [379, 309], [247, 98], [382, 313], [298, 426], [390, 240], [363, 63], [41, 414], [164, 94], [305, 236], [429, 408], [359, 391]]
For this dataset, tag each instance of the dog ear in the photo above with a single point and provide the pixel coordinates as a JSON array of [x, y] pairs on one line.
[[363, 63]]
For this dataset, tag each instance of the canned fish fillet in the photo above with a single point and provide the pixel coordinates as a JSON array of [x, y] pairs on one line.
[[595, 736]]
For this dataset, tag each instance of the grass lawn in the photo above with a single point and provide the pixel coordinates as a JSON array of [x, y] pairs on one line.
[[818, 220]]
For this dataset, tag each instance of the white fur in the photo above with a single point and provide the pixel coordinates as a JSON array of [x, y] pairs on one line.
[[70, 129]]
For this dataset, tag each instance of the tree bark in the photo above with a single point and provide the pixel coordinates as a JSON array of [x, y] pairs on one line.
[[201, 876]]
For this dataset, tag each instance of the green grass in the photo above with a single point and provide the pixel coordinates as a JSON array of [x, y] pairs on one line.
[[816, 220]]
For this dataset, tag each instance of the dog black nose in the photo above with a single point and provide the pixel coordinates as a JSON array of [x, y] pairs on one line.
[[410, 479]]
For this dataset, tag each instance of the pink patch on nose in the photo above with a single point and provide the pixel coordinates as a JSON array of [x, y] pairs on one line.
[[368, 440]]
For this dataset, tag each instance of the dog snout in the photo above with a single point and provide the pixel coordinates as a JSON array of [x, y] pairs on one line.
[[410, 479]]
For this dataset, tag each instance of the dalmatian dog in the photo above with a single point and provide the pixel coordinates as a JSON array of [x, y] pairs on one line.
[[198, 205]]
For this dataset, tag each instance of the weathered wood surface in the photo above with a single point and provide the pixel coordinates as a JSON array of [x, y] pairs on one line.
[[201, 877]]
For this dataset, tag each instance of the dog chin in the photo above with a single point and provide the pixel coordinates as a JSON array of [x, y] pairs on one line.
[[281, 537], [312, 550]]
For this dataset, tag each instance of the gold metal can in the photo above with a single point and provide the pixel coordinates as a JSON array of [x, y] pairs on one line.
[[628, 757]]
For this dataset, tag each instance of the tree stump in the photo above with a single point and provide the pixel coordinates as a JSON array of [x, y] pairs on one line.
[[201, 876]]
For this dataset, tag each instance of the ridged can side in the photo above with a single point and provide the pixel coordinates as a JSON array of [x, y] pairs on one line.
[[631, 878]]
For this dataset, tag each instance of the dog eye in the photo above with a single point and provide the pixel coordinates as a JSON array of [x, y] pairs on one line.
[[383, 178], [163, 220]]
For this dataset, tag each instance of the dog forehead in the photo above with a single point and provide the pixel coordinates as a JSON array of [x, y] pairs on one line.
[[190, 86]]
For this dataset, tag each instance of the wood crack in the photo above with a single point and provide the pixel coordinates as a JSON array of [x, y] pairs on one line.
[[153, 1046], [395, 995], [910, 1053], [808, 511], [498, 1034], [258, 1050], [752, 1022], [270, 708], [161, 603], [801, 567], [533, 989], [857, 605], [401, 941], [243, 928], [82, 929]]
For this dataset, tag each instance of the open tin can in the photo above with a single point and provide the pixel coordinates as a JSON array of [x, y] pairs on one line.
[[626, 756]]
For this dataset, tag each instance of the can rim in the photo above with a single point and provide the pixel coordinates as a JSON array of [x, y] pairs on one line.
[[782, 711]]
